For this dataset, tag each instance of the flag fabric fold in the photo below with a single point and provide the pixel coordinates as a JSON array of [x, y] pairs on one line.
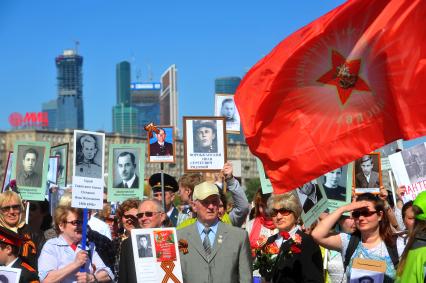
[[344, 85]]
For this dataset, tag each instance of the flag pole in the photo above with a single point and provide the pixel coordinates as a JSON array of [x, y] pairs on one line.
[[162, 186], [84, 235]]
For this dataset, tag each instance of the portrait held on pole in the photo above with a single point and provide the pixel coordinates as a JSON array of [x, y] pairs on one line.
[[30, 166], [161, 145], [88, 168], [126, 171], [368, 174], [62, 152], [225, 107], [204, 143], [337, 185]]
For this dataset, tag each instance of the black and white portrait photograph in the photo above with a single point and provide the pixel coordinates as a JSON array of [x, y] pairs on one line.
[[144, 245], [204, 143], [126, 168], [309, 195], [225, 107], [10, 274], [52, 172], [334, 183], [29, 166], [415, 162], [7, 171], [126, 171], [61, 151], [368, 174], [89, 150], [161, 145]]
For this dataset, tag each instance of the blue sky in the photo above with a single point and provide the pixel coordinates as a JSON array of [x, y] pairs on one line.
[[205, 39]]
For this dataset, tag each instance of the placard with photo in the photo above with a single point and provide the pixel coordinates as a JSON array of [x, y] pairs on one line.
[[313, 200], [7, 171], [162, 145], [368, 174], [409, 169], [53, 168], [30, 167], [10, 274], [88, 168], [337, 185], [62, 152], [265, 183], [225, 107], [126, 171], [204, 143], [155, 251]]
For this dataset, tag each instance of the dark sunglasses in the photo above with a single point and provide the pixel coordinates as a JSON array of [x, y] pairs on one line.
[[74, 222], [146, 213], [129, 216], [365, 213], [16, 207], [282, 211]]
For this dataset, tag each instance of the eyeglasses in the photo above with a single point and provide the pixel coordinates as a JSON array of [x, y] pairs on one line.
[[365, 213], [74, 222], [282, 211], [129, 216], [146, 213], [16, 207]]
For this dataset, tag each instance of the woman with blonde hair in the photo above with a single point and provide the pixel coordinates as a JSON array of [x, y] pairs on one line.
[[299, 258], [12, 217]]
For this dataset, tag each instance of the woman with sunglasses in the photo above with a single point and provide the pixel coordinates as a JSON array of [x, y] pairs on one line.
[[373, 238], [61, 258], [412, 265], [127, 220], [12, 217], [299, 258]]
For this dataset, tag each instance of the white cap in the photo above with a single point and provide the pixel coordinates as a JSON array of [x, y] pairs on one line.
[[204, 190]]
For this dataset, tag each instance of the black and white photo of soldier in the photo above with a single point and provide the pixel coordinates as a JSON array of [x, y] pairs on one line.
[[144, 245], [415, 162], [205, 136], [89, 156]]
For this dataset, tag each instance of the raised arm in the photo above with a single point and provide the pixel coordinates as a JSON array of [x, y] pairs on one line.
[[321, 233]]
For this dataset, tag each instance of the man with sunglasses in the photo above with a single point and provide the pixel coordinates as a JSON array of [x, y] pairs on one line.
[[217, 252], [150, 215]]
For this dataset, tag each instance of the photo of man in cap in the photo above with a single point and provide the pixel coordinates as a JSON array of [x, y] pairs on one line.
[[205, 136], [10, 243], [171, 186]]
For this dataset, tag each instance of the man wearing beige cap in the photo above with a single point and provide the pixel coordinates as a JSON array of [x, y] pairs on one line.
[[215, 252]]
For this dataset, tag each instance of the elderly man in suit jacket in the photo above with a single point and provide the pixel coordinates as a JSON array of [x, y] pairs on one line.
[[216, 252]]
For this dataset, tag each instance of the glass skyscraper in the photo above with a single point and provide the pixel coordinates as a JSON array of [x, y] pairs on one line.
[[69, 112], [51, 107]]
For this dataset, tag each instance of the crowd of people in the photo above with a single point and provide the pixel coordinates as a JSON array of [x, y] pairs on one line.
[[221, 235]]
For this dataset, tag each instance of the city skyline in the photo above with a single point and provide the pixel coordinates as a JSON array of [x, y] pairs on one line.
[[204, 41]]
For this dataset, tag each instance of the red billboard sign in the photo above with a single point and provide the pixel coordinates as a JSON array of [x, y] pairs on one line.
[[30, 119]]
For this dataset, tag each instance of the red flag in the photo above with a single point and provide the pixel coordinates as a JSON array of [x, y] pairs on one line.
[[340, 87]]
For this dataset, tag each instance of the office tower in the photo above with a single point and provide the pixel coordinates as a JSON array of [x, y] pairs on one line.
[[51, 107], [124, 116], [70, 91], [145, 97], [123, 83], [169, 97], [228, 85]]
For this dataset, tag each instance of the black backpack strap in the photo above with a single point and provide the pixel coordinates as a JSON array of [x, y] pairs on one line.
[[393, 253], [353, 244]]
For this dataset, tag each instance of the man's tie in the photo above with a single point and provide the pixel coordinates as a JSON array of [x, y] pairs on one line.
[[126, 185], [206, 242]]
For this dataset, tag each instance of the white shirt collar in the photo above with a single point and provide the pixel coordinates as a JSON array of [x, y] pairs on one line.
[[10, 264], [130, 182]]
